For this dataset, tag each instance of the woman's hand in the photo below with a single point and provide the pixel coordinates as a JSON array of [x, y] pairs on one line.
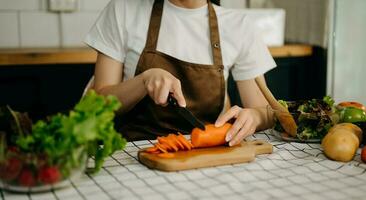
[[246, 122], [159, 83]]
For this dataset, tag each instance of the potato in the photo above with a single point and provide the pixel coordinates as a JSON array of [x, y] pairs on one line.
[[342, 142], [355, 129]]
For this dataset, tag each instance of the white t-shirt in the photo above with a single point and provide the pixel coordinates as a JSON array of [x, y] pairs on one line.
[[121, 30]]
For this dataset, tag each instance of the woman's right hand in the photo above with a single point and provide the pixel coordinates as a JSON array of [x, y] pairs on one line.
[[159, 83]]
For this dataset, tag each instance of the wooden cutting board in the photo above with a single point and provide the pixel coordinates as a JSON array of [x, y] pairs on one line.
[[206, 157]]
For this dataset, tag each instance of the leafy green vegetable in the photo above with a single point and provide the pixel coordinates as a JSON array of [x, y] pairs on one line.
[[328, 100], [283, 103], [313, 117], [88, 127]]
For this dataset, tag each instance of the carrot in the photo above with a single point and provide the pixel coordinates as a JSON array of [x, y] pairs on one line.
[[155, 152], [176, 141], [212, 136], [170, 143], [151, 149], [161, 148], [166, 155], [184, 141]]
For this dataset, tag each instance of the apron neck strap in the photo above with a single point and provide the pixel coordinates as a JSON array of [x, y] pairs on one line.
[[154, 28]]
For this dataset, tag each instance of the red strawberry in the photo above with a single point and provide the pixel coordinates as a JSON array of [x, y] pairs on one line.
[[49, 175], [13, 149], [10, 169], [26, 178]]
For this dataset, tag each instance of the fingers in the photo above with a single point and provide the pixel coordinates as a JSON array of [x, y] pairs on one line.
[[243, 126], [235, 128], [160, 83], [178, 94], [162, 95], [246, 130], [233, 112]]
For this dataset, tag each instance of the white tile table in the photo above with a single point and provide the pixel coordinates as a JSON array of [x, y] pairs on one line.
[[293, 171]]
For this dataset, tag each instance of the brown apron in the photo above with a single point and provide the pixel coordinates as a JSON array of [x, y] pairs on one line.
[[203, 86]]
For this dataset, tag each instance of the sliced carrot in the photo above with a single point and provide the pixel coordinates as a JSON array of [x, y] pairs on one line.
[[184, 142], [166, 155], [155, 152], [161, 147], [174, 138], [169, 143], [212, 136], [151, 149], [161, 139]]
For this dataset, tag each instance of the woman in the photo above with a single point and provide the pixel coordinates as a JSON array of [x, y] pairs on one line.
[[149, 49]]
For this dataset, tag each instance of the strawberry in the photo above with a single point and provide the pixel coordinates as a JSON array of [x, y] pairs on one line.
[[49, 175], [13, 149], [10, 169], [26, 178]]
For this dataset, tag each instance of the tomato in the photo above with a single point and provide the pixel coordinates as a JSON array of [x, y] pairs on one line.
[[352, 115], [353, 104], [363, 154]]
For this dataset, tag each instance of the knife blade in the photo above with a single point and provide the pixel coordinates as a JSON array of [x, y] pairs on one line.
[[185, 113]]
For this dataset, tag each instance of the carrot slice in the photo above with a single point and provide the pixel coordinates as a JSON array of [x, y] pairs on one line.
[[184, 142], [167, 146], [181, 146], [169, 143], [161, 148], [175, 140], [155, 152], [151, 149], [166, 155]]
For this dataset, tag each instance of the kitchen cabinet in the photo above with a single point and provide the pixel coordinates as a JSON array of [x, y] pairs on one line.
[[294, 78], [31, 81], [43, 89]]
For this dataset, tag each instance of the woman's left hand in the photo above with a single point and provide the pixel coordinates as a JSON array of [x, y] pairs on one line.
[[245, 123]]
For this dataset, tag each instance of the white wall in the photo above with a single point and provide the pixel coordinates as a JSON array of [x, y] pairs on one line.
[[306, 20], [28, 23], [233, 3], [347, 54]]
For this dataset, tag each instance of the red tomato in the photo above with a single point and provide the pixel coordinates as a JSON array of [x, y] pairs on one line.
[[363, 154], [352, 104]]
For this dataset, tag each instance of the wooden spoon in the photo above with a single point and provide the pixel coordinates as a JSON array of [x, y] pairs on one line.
[[283, 115]]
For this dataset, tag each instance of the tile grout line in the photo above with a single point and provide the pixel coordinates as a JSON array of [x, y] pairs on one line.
[[19, 30], [77, 190], [60, 29]]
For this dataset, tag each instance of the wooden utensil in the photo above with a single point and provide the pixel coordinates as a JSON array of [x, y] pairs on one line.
[[206, 157], [283, 115]]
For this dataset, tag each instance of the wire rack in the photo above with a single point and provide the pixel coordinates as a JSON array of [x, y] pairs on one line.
[[292, 171]]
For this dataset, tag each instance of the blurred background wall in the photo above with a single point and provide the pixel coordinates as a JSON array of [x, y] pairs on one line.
[[306, 20], [335, 66], [347, 51], [28, 23]]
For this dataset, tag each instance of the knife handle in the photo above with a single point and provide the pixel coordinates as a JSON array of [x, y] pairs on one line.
[[172, 101]]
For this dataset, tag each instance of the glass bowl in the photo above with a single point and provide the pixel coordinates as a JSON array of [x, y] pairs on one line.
[[28, 172]]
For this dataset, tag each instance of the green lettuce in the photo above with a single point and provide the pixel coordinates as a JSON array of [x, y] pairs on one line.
[[89, 126]]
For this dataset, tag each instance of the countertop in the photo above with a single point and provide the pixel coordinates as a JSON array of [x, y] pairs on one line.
[[86, 55], [292, 171]]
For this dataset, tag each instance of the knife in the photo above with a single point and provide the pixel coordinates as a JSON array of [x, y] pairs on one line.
[[185, 113]]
